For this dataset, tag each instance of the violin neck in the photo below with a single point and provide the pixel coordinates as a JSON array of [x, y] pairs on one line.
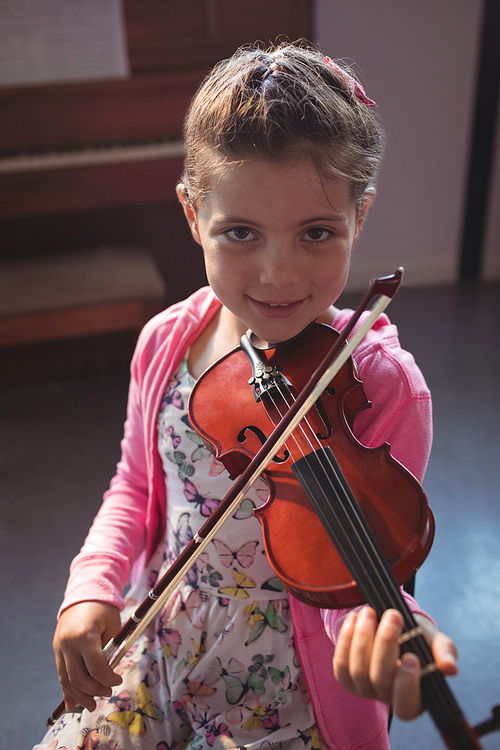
[[332, 499]]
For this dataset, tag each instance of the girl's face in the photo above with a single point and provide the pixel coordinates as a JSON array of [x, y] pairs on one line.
[[277, 242]]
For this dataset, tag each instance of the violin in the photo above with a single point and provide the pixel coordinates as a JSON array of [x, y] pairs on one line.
[[321, 462], [356, 509], [343, 524]]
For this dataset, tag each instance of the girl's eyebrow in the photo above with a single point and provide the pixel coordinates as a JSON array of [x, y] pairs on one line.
[[222, 218], [334, 216]]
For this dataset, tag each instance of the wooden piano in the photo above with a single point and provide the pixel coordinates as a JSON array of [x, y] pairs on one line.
[[88, 164]]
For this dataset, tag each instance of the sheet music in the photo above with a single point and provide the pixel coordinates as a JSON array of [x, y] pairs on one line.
[[51, 41]]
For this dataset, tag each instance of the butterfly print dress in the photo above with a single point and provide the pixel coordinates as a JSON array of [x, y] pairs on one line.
[[218, 668]]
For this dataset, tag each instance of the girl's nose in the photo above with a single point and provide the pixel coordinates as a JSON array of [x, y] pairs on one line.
[[279, 267]]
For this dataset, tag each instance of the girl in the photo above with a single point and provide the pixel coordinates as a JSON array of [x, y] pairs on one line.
[[282, 149]]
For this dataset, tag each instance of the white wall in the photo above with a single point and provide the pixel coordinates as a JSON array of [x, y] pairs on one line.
[[418, 61]]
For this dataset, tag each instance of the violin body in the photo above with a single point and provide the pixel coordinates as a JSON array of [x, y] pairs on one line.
[[234, 423]]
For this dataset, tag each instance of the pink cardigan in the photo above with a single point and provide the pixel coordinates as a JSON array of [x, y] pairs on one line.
[[132, 518]]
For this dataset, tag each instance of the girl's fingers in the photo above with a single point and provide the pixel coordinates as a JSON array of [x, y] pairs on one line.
[[406, 701], [446, 654], [443, 649], [361, 652], [97, 667], [351, 664], [385, 655], [72, 696], [69, 702], [342, 652], [83, 669], [82, 677], [367, 659], [79, 679], [79, 685]]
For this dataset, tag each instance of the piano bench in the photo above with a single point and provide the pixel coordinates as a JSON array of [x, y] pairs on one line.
[[82, 293]]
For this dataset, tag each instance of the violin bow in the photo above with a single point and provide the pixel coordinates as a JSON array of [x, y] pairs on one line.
[[384, 288]]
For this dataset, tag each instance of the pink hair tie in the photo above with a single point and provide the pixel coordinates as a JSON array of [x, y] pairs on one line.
[[354, 87]]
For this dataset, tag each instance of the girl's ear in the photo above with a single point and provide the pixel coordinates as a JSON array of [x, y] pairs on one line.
[[189, 211], [366, 202]]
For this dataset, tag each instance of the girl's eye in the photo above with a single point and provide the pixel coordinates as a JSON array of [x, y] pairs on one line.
[[317, 234], [240, 233]]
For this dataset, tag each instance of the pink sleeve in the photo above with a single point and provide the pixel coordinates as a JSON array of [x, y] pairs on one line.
[[117, 536], [128, 519], [401, 408]]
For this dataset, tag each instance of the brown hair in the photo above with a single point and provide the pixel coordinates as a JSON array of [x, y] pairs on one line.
[[280, 104]]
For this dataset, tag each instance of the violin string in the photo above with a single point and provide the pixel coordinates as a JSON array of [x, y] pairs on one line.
[[419, 646], [313, 444], [435, 682]]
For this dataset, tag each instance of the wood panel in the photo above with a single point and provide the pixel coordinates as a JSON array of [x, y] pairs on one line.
[[47, 325], [87, 188]]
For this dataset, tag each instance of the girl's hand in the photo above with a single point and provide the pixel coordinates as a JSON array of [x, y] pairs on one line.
[[81, 633], [367, 663]]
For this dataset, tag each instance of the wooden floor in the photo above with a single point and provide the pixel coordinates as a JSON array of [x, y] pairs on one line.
[[59, 445]]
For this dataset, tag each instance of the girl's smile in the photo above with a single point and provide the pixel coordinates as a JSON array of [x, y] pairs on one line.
[[277, 243], [277, 309]]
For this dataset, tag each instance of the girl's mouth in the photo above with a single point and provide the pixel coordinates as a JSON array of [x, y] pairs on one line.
[[277, 309]]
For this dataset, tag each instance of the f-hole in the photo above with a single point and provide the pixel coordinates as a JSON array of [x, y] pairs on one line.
[[258, 432], [324, 414]]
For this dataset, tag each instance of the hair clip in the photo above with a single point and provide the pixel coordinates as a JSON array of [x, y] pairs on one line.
[[355, 88]]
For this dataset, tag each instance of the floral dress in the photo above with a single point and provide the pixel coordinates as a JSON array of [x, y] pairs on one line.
[[218, 667]]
